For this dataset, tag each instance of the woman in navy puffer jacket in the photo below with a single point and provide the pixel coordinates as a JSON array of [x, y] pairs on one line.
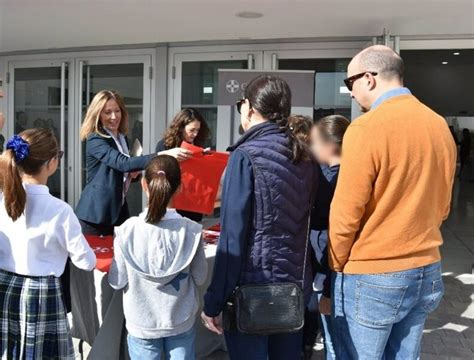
[[264, 216]]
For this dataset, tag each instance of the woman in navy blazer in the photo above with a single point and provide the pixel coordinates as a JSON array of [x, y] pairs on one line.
[[110, 169]]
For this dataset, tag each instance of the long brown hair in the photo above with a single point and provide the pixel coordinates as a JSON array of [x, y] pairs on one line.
[[42, 148], [300, 125], [332, 129], [174, 135], [92, 124], [163, 178]]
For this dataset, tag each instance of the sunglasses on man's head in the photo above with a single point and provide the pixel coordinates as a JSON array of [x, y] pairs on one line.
[[352, 79]]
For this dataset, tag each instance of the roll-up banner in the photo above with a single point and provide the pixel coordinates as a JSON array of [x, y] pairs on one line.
[[232, 83]]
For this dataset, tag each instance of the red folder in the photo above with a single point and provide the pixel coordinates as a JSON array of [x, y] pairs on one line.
[[103, 247], [200, 179]]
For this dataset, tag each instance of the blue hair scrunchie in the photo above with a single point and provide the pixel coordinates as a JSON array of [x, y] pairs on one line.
[[19, 146]]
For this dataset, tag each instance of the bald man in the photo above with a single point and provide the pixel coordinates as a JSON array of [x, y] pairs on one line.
[[393, 193]]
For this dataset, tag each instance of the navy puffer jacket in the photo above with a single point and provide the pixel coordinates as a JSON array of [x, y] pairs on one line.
[[277, 237]]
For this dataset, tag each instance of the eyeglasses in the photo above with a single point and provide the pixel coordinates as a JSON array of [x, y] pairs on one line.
[[239, 104], [351, 80]]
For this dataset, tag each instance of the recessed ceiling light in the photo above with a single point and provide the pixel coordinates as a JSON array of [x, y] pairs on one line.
[[249, 15], [456, 53], [444, 63]]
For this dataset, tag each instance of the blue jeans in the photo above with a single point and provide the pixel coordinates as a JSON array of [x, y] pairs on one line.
[[179, 347], [381, 316], [255, 347], [328, 330]]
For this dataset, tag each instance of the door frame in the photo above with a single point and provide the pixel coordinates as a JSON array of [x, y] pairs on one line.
[[262, 54], [145, 55], [146, 60], [57, 62], [178, 56]]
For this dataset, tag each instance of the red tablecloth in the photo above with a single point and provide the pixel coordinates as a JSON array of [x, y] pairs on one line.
[[103, 247]]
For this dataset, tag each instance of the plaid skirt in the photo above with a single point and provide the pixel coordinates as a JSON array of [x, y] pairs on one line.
[[33, 322]]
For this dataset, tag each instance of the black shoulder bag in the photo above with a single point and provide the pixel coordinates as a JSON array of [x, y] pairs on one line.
[[265, 309]]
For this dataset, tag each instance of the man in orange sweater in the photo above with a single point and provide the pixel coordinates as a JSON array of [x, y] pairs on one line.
[[393, 193]]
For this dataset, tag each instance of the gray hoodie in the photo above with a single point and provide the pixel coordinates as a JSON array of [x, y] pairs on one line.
[[159, 267]]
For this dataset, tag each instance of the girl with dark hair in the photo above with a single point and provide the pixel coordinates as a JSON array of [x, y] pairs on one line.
[[301, 125], [264, 216], [188, 125], [38, 233], [159, 259], [326, 144]]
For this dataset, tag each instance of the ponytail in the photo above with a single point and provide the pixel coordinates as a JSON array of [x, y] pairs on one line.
[[299, 150], [163, 177], [13, 192], [160, 195], [26, 153], [271, 97]]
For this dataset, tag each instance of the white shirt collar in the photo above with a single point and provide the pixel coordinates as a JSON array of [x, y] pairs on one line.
[[36, 189], [170, 214], [119, 141]]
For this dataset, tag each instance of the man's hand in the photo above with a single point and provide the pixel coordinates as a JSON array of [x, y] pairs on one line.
[[325, 305], [212, 323]]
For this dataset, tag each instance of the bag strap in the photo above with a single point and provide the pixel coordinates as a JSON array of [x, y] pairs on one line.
[[308, 231]]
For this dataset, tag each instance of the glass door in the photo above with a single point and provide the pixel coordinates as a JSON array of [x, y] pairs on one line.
[[195, 82], [39, 99], [130, 77], [330, 66]]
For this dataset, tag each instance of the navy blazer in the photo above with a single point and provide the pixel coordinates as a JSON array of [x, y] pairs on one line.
[[101, 198]]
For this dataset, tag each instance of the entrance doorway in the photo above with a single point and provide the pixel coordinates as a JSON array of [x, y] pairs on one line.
[[194, 79], [55, 94]]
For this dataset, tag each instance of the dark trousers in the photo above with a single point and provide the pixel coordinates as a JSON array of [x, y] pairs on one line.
[[272, 347], [90, 229]]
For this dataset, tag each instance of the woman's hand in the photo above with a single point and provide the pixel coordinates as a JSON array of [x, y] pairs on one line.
[[135, 174], [179, 154], [212, 323], [325, 305]]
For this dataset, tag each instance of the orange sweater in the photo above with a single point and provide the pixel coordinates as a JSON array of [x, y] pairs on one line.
[[393, 191]]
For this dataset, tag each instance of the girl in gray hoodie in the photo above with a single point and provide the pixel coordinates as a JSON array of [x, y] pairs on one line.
[[159, 261]]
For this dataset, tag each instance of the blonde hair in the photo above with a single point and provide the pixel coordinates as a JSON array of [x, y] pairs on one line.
[[92, 125]]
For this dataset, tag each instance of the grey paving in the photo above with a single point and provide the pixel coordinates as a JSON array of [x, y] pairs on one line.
[[449, 331]]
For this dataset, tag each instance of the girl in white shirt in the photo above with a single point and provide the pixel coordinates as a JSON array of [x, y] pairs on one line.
[[38, 232]]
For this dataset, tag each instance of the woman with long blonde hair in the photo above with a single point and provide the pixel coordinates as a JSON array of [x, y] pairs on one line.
[[110, 168]]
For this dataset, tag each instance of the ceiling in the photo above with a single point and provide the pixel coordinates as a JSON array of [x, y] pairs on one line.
[[46, 24]]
